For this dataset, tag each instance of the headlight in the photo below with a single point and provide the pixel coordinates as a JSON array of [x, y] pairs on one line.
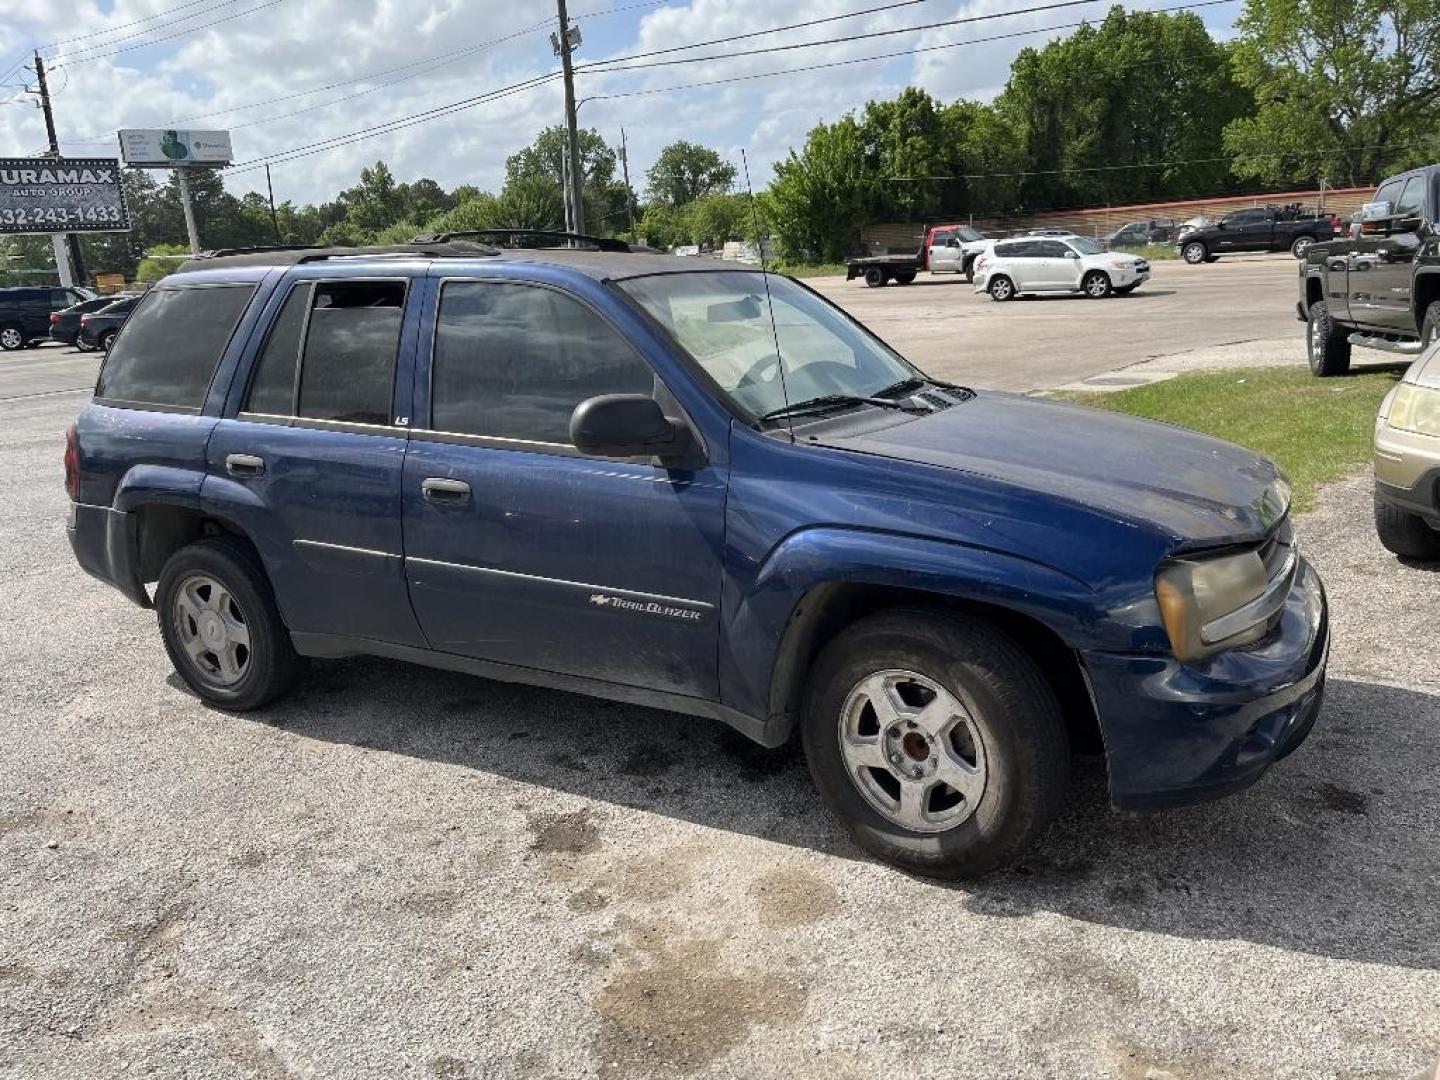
[[1415, 408], [1122, 264], [1207, 604]]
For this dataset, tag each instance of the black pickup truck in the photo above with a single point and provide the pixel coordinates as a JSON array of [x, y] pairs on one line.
[[1379, 289], [1260, 228]]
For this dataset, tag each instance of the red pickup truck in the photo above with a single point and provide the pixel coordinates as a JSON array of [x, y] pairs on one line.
[[947, 248]]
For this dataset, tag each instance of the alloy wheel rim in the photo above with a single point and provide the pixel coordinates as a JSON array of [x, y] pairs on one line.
[[1301, 246], [1194, 253], [912, 751], [10, 338], [1097, 286], [212, 630], [1001, 288]]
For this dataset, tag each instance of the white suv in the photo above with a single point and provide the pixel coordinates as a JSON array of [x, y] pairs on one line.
[[1030, 264]]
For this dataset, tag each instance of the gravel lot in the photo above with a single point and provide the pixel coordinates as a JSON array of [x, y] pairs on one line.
[[407, 872]]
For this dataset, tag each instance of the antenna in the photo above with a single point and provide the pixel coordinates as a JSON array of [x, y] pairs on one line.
[[765, 277]]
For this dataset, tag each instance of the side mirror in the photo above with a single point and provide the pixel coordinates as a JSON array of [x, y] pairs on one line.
[[1375, 211], [628, 425], [1071, 254]]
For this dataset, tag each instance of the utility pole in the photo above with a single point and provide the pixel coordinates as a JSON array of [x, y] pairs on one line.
[[564, 47], [629, 195], [68, 263], [274, 218]]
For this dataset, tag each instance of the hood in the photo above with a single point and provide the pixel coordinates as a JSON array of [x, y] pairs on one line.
[[1197, 489]]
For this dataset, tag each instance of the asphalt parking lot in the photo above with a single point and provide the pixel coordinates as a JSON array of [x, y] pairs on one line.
[[1240, 306], [407, 872]]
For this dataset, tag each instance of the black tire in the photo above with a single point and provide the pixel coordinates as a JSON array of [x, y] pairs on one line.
[[1405, 534], [1194, 252], [1001, 288], [1300, 245], [270, 666], [1327, 345], [969, 271], [1026, 746], [905, 277], [875, 277], [1430, 325], [1096, 285], [12, 337], [106, 340]]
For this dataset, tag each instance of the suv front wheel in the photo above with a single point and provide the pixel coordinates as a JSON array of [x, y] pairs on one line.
[[221, 628], [11, 338], [936, 740], [1194, 253]]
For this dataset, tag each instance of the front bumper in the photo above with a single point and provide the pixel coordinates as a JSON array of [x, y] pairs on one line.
[[1177, 734], [1407, 471]]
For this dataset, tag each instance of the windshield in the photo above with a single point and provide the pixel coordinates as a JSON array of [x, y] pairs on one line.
[[968, 234], [1085, 245], [722, 320]]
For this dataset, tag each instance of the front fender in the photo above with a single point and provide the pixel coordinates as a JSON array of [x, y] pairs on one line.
[[813, 559]]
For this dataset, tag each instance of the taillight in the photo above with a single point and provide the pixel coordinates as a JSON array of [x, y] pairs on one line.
[[54, 317], [84, 320], [72, 464]]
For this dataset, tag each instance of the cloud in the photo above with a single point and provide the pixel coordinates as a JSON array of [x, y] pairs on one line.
[[298, 45]]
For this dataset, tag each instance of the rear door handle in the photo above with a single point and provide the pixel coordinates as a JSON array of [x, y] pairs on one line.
[[244, 465], [444, 491]]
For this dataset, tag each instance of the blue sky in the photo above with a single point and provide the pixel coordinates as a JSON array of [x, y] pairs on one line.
[[221, 57]]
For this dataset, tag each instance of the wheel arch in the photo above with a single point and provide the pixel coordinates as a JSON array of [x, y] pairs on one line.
[[1426, 292], [161, 529], [828, 608]]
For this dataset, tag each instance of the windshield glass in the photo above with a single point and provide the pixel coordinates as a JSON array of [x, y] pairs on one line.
[[1085, 245], [722, 320], [968, 234]]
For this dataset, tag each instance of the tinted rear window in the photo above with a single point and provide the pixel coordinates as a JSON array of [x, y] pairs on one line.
[[348, 370], [168, 350]]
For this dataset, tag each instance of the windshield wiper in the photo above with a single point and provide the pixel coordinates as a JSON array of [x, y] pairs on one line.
[[826, 402], [906, 386]]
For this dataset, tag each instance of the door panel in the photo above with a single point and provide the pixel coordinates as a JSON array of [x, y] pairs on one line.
[[325, 510], [609, 570], [524, 551]]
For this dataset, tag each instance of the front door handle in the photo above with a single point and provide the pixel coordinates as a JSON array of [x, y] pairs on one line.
[[444, 491], [244, 465]]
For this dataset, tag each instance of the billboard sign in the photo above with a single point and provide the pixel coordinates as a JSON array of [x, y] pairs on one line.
[[170, 148], [61, 195]]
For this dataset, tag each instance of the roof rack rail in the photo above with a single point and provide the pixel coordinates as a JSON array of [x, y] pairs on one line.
[[602, 243], [294, 254]]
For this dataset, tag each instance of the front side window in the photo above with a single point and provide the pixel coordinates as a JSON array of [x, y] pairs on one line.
[[1052, 249], [168, 351], [513, 361], [722, 319], [351, 332], [1412, 199], [1085, 246]]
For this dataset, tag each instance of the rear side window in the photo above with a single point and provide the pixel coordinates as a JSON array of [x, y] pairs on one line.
[[1018, 250], [171, 344], [351, 335], [513, 361]]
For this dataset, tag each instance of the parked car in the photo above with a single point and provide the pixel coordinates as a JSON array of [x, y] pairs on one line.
[[1407, 462], [944, 249], [25, 312], [1381, 289], [1142, 233], [65, 325], [1261, 228], [99, 328], [1057, 264], [586, 469]]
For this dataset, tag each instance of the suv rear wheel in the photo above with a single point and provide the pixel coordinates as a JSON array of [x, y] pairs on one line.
[[1001, 288], [1194, 253], [1327, 345], [936, 740], [11, 338], [221, 628]]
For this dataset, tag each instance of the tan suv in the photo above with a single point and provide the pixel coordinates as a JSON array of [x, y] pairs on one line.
[[1407, 462]]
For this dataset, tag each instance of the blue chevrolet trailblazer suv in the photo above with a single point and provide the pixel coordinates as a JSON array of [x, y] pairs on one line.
[[703, 488]]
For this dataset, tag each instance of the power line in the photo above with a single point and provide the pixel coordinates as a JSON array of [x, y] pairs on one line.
[[883, 56], [424, 64], [83, 59], [126, 26], [597, 68]]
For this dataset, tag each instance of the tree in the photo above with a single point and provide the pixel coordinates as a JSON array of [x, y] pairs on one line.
[[685, 172], [546, 157], [1344, 89], [818, 200], [1101, 112], [718, 218], [376, 202], [160, 260]]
